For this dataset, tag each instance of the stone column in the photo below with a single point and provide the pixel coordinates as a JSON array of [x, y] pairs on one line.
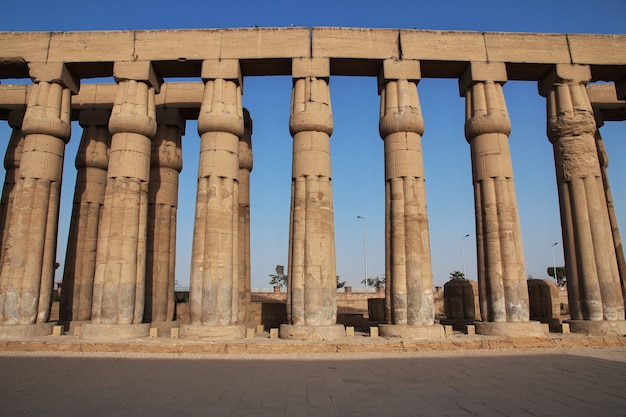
[[617, 240], [409, 306], [119, 282], [596, 304], [12, 160], [165, 166], [312, 282], [245, 167], [620, 88], [503, 291], [91, 177], [214, 293], [27, 273]]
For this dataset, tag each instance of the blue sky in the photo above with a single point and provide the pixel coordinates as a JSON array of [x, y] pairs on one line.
[[357, 150]]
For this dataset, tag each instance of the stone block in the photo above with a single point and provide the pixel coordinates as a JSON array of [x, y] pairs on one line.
[[57, 330], [527, 47], [480, 72], [564, 72], [470, 329], [401, 69], [374, 332], [565, 328], [545, 327], [227, 69], [274, 333], [355, 43], [154, 332], [598, 49], [443, 45], [310, 67], [54, 72], [96, 46], [175, 333], [260, 329], [137, 70], [30, 46], [350, 331], [448, 330], [250, 333]]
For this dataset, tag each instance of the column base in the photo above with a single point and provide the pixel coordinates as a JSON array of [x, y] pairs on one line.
[[404, 331], [510, 329], [212, 333], [25, 331], [597, 328], [95, 331], [312, 333], [164, 328]]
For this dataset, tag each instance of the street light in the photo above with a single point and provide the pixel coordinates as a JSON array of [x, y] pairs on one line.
[[554, 263], [463, 254], [364, 247]]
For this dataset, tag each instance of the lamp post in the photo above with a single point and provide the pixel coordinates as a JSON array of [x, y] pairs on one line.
[[364, 247], [554, 263], [463, 255]]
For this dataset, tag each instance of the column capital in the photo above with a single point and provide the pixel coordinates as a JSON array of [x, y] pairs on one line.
[[620, 88], [310, 67], [94, 117], [477, 72], [564, 73], [55, 72], [138, 71], [170, 117]]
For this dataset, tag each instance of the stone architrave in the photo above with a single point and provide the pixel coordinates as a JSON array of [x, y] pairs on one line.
[[214, 292], [502, 285], [27, 271], [409, 305], [119, 282], [91, 177], [312, 282], [603, 157], [595, 300], [245, 167], [165, 165], [12, 159]]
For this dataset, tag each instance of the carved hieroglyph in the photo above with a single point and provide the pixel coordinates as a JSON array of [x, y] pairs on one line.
[[593, 285]]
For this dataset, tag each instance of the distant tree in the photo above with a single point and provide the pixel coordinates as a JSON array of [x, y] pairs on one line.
[[561, 279], [340, 284], [376, 282], [457, 275], [279, 278]]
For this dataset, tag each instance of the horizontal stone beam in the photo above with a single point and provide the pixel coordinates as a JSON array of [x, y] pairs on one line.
[[604, 100], [351, 51]]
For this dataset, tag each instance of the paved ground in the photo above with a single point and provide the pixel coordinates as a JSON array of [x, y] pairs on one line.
[[576, 382]]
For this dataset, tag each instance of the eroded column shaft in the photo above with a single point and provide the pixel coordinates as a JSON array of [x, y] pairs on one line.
[[591, 266], [165, 166], [214, 294], [245, 167], [409, 281], [312, 288], [91, 177], [119, 283], [501, 270], [27, 273]]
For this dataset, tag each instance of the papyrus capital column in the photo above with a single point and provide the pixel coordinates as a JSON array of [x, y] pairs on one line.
[[312, 283], [91, 163], [591, 267], [165, 165], [214, 295], [27, 273], [245, 168], [409, 297], [500, 258], [119, 283]]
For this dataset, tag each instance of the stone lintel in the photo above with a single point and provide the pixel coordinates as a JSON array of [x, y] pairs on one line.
[[310, 67], [171, 117], [13, 96], [55, 72], [477, 72], [561, 73], [138, 71], [94, 117], [226, 69]]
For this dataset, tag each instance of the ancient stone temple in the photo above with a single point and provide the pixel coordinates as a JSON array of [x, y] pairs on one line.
[[119, 272]]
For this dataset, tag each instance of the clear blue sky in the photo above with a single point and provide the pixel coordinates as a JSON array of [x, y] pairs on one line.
[[357, 157]]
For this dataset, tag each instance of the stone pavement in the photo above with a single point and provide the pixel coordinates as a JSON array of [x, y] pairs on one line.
[[532, 382]]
